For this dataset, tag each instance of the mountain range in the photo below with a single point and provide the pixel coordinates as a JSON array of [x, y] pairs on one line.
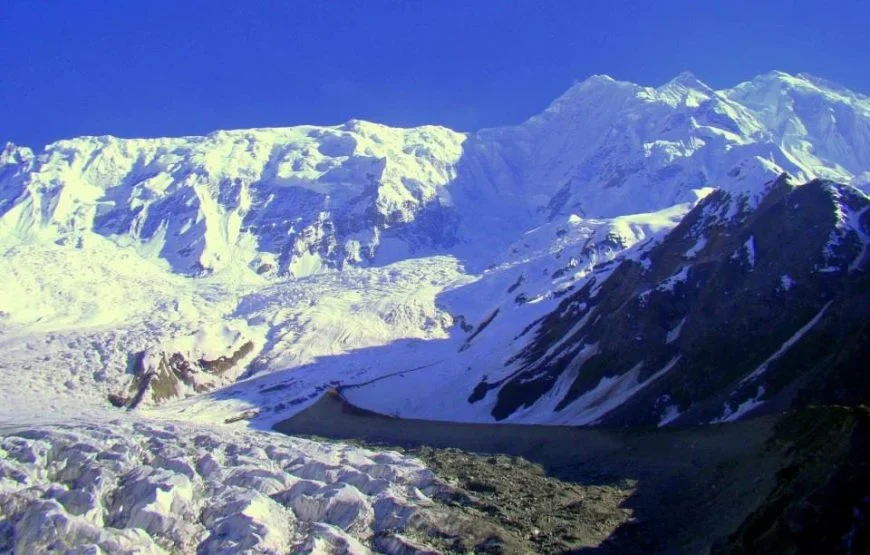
[[292, 201], [631, 257]]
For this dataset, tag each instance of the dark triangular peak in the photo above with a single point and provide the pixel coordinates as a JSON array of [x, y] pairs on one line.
[[704, 325]]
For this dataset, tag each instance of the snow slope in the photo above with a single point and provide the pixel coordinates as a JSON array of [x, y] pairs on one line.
[[819, 124]]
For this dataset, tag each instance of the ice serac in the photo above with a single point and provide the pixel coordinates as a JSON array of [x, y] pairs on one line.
[[139, 487]]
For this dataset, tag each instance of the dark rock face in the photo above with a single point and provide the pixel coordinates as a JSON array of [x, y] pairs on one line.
[[819, 503], [224, 363], [739, 309], [174, 374]]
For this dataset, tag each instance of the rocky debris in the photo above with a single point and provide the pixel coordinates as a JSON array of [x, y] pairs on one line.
[[514, 506], [794, 482]]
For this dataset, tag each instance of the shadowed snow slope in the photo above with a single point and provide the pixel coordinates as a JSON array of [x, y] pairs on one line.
[[693, 325]]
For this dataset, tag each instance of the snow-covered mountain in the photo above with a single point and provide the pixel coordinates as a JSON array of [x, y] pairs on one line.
[[292, 201], [700, 327], [434, 232], [630, 256], [608, 148], [738, 308], [276, 200]]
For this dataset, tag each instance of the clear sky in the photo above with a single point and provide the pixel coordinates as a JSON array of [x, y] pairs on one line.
[[156, 68]]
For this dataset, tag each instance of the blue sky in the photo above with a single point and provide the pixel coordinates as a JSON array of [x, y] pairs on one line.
[[153, 68]]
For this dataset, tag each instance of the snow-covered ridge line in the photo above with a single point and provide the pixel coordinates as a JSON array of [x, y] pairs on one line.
[[300, 200], [270, 199]]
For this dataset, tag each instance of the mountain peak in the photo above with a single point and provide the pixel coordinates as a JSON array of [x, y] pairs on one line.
[[593, 85], [776, 80], [776, 74], [14, 154], [687, 79], [767, 86], [598, 78], [685, 89]]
